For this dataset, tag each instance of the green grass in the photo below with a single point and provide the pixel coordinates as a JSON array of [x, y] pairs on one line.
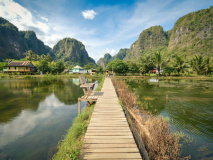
[[70, 147]]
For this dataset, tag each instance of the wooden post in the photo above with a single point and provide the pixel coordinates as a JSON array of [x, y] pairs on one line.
[[79, 107]]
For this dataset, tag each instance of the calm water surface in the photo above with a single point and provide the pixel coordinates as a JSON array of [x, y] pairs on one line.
[[34, 116], [189, 106]]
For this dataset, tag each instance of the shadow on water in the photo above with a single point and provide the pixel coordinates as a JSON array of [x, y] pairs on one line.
[[189, 106], [35, 115]]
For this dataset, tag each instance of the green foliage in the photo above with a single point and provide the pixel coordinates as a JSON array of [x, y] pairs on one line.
[[132, 66], [118, 66], [201, 65], [145, 64], [2, 64], [168, 70], [90, 65], [100, 69], [43, 66], [179, 64], [59, 67]]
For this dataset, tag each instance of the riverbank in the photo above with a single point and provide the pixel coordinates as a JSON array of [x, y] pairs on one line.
[[70, 146], [47, 76], [163, 77]]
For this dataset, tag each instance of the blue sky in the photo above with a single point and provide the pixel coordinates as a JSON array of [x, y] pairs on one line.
[[104, 26]]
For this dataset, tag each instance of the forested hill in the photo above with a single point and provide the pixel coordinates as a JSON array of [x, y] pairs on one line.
[[13, 43], [72, 50], [192, 34], [108, 58]]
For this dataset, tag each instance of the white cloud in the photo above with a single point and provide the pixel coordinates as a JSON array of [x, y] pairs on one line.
[[111, 52], [21, 17], [44, 18], [89, 14]]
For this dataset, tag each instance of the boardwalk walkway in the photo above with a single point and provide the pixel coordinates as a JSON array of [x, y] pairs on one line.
[[108, 134]]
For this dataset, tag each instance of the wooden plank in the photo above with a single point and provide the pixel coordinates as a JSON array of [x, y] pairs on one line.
[[108, 125], [108, 133], [121, 145], [111, 155], [107, 128], [111, 141], [111, 150], [109, 137]]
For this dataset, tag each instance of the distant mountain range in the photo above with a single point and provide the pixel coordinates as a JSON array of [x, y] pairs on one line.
[[192, 34], [108, 58], [14, 43]]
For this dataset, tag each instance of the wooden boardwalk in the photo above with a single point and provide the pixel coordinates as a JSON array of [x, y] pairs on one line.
[[108, 135]]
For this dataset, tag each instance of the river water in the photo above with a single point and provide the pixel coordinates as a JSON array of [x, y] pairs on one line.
[[189, 106], [35, 115]]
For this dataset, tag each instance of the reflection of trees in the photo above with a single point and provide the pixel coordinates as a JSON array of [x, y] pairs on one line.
[[18, 95], [69, 93]]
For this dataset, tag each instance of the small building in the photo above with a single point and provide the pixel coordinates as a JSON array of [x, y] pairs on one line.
[[20, 67], [93, 71], [76, 69]]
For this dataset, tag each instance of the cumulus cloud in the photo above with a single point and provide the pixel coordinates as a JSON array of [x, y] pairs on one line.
[[89, 14], [21, 17]]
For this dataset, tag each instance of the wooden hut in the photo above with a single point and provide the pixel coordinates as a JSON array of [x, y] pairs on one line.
[[20, 67]]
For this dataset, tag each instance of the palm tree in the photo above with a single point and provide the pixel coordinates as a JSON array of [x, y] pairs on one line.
[[30, 53], [197, 64], [207, 65], [158, 61], [179, 64]]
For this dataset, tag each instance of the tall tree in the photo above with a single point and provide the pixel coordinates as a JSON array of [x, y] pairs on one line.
[[207, 65], [145, 64], [158, 61], [179, 64], [197, 64]]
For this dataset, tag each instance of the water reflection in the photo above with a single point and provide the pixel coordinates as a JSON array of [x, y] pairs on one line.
[[188, 104], [34, 114]]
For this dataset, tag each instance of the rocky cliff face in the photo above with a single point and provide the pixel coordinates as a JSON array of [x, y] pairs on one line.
[[14, 43], [11, 43], [103, 61], [33, 43], [121, 54], [193, 34], [69, 49], [150, 40]]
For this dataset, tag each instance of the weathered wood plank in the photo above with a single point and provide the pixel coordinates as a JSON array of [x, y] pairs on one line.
[[108, 133], [111, 150], [104, 145], [110, 137], [111, 155], [111, 141]]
